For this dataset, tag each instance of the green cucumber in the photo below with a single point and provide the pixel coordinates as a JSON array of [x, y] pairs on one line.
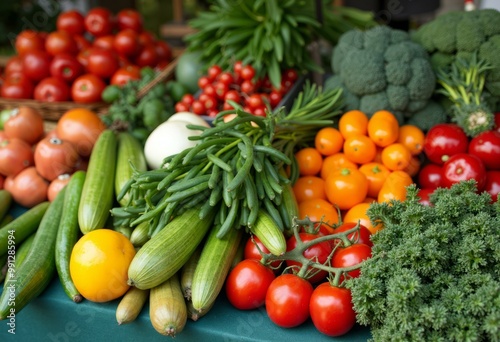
[[22, 226], [38, 269], [130, 157], [98, 190], [5, 202], [68, 233]]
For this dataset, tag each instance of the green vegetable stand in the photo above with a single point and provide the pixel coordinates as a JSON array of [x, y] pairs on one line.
[[54, 317]]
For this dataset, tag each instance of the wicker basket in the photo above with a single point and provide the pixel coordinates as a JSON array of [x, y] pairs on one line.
[[52, 111]]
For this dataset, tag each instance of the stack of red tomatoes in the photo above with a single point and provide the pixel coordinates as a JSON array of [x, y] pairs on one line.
[[85, 54], [454, 157]]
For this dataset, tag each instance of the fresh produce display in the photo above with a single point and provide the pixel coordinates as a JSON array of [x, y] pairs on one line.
[[234, 181], [83, 55], [271, 36], [382, 68], [433, 273]]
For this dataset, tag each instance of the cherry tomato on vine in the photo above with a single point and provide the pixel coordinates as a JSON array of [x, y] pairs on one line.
[[147, 56], [318, 253], [486, 146], [287, 300], [247, 284], [463, 166], [331, 309], [351, 256], [444, 140], [363, 235]]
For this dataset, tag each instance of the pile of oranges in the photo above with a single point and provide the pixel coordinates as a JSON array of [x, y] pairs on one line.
[[360, 161]]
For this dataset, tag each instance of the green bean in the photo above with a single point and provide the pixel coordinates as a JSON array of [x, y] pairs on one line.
[[252, 217], [147, 186], [274, 213], [269, 192], [169, 178], [190, 203], [251, 193], [245, 169], [157, 195], [227, 177], [257, 162], [134, 210], [221, 215], [119, 212], [150, 214], [219, 162], [126, 187], [188, 192], [205, 209], [202, 146], [244, 212], [175, 159], [259, 186], [270, 170], [271, 151], [151, 176], [215, 176], [275, 185], [229, 220], [187, 183], [216, 194], [227, 126]]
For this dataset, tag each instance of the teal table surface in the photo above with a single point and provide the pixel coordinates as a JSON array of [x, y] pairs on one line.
[[54, 317]]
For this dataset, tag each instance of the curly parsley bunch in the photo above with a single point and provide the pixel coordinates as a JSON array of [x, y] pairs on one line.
[[435, 270]]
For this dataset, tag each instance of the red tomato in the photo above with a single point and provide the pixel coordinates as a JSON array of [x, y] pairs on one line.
[[497, 122], [83, 57], [54, 157], [351, 256], [287, 300], [125, 74], [57, 185], [126, 42], [362, 236], [58, 42], [486, 146], [254, 247], [71, 21], [52, 89], [318, 253], [17, 86], [14, 65], [87, 89], [36, 65], [24, 123], [444, 140], [104, 42], [463, 166], [66, 67], [331, 310], [29, 188], [15, 156], [424, 195], [430, 176], [28, 40], [102, 63], [99, 21], [129, 19], [146, 38], [147, 56], [163, 50], [492, 185], [81, 42], [247, 284]]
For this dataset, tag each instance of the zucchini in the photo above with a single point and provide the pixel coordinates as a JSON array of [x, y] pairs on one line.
[[6, 219], [187, 273], [127, 231], [3, 267], [166, 252], [213, 266], [5, 202], [23, 226], [68, 234], [194, 314], [269, 233], [37, 270], [98, 190], [167, 307], [131, 305], [288, 208], [130, 157]]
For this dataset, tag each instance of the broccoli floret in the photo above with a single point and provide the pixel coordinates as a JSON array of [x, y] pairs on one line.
[[390, 72], [470, 35]]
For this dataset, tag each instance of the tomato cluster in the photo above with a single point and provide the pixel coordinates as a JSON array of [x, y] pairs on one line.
[[35, 164], [84, 54], [239, 85], [361, 160], [290, 298], [453, 157]]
